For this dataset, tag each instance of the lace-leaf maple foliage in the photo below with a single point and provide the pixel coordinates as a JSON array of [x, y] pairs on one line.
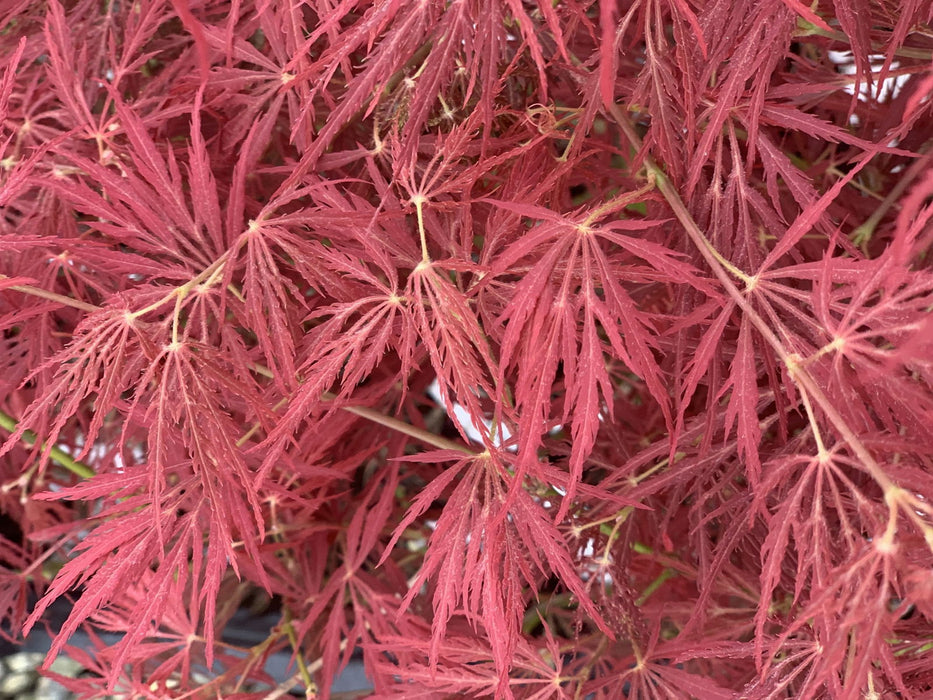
[[268, 269]]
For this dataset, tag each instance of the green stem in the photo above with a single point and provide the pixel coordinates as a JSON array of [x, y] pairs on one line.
[[52, 296], [863, 233], [876, 46], [57, 454], [408, 429], [395, 424], [418, 200], [655, 585], [296, 648]]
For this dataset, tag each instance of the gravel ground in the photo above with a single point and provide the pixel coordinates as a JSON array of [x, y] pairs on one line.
[[20, 678]]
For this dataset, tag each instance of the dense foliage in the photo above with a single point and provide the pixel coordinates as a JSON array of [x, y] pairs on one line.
[[536, 349]]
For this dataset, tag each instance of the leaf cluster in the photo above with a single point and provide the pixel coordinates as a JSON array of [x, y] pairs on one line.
[[528, 348]]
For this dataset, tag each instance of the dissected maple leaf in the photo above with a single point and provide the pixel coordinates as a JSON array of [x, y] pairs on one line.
[[477, 555], [105, 358], [571, 309]]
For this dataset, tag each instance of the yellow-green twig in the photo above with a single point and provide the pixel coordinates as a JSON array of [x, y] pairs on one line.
[[57, 454]]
